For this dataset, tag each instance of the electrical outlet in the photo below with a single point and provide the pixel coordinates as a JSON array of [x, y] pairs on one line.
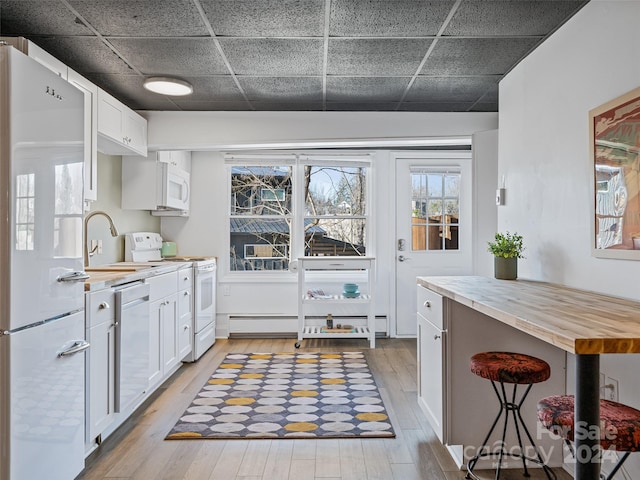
[[99, 246], [612, 391], [226, 290]]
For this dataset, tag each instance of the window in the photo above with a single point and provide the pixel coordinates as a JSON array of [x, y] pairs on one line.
[[298, 206], [335, 203], [435, 200]]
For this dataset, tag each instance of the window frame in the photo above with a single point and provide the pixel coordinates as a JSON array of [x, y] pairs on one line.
[[298, 162]]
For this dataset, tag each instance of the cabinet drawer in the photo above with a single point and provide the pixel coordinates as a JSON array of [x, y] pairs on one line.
[[185, 278], [185, 303], [162, 286], [99, 307], [430, 306]]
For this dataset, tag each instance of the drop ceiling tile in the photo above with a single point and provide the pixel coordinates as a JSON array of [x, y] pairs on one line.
[[361, 107], [272, 56], [84, 54], [476, 56], [376, 56], [129, 90], [206, 106], [435, 107], [164, 56], [142, 18], [281, 89], [450, 89], [38, 18], [484, 17], [287, 106], [219, 88], [268, 18], [400, 18], [366, 89]]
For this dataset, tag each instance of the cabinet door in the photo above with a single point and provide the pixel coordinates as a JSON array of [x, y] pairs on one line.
[[110, 117], [431, 389], [169, 333], [155, 355], [135, 131], [101, 378], [90, 133], [185, 308]]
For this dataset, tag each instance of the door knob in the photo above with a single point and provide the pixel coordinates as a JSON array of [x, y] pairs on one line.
[[402, 258]]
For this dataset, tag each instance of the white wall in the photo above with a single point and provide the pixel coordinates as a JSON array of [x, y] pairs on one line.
[[544, 155], [485, 212], [220, 130], [200, 234], [109, 201]]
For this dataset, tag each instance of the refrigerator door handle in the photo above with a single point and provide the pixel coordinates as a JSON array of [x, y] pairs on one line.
[[77, 276], [77, 347]]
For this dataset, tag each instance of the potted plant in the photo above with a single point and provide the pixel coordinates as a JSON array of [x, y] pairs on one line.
[[506, 248]]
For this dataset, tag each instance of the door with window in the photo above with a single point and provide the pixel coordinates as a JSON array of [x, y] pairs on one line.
[[433, 224]]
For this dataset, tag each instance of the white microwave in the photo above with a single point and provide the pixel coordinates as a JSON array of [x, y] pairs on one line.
[[175, 192]]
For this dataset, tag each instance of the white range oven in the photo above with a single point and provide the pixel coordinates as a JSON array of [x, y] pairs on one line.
[[146, 247]]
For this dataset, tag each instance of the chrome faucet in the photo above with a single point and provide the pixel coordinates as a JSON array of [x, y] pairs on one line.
[[112, 227]]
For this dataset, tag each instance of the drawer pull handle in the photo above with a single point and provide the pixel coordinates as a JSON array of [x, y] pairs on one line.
[[103, 306], [186, 278], [186, 294], [427, 304], [436, 337]]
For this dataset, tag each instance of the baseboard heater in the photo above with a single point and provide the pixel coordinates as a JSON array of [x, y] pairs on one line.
[[280, 326]]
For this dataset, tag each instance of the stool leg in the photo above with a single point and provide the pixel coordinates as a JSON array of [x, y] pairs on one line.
[[516, 414], [617, 466], [548, 472], [472, 463], [505, 404]]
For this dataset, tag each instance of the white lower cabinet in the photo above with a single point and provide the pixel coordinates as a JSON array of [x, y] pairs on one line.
[[163, 328], [431, 358], [100, 363]]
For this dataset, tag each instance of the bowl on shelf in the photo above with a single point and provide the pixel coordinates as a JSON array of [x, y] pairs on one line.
[[355, 294], [350, 287]]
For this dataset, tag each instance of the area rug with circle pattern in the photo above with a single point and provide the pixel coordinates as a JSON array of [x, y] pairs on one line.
[[287, 395]]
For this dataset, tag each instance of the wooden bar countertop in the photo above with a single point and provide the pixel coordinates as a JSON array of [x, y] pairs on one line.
[[577, 321]]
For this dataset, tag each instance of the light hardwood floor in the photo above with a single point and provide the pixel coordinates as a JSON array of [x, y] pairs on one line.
[[138, 449]]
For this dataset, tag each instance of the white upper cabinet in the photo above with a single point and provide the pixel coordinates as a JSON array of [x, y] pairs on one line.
[[160, 183], [121, 131], [90, 133]]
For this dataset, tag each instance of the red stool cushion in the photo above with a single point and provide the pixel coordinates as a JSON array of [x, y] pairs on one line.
[[510, 367], [619, 424]]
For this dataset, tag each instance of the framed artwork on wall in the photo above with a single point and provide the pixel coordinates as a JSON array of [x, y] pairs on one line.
[[614, 136]]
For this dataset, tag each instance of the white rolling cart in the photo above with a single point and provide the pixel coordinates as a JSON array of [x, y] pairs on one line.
[[339, 270]]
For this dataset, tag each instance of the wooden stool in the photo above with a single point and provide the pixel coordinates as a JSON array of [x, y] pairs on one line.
[[516, 369], [619, 425]]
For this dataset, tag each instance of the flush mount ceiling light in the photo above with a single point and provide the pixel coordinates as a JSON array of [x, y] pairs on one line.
[[168, 86]]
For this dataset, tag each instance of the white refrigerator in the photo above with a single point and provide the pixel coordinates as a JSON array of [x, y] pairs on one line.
[[42, 340]]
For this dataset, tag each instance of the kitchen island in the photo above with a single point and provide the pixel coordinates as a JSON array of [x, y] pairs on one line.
[[582, 323]]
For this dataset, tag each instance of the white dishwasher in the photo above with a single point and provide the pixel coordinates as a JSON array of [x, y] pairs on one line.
[[132, 344]]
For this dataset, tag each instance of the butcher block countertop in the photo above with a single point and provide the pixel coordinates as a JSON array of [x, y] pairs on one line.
[[577, 321], [107, 276]]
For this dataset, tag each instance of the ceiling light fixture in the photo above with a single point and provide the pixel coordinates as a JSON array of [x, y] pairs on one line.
[[168, 86]]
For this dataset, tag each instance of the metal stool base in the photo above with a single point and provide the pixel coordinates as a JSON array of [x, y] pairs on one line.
[[506, 406]]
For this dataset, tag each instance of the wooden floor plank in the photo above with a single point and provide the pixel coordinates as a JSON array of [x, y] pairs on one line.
[[138, 450], [278, 461]]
